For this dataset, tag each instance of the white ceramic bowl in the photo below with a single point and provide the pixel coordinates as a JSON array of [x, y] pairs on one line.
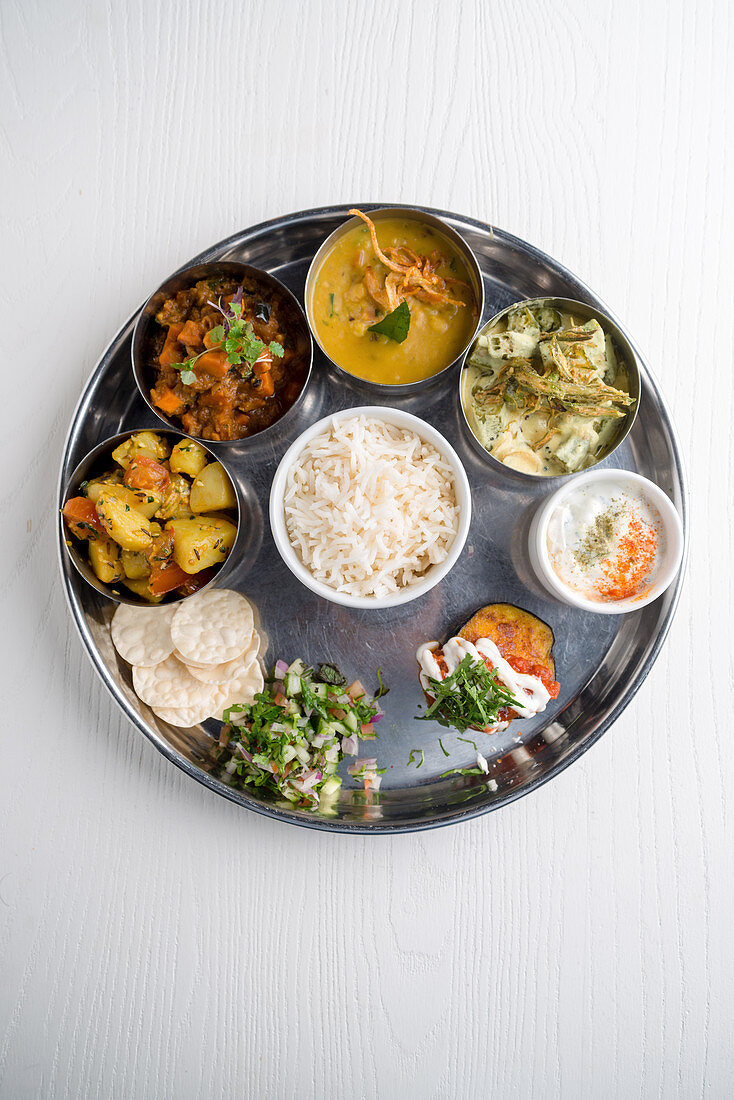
[[434, 574], [667, 567]]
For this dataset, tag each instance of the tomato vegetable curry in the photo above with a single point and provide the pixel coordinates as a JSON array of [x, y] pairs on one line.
[[160, 522], [225, 358]]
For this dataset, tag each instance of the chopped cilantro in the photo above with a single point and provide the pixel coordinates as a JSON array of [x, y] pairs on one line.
[[471, 697]]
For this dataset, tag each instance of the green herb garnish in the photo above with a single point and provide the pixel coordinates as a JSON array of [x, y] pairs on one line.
[[395, 325], [330, 674], [472, 696], [415, 752], [239, 341]]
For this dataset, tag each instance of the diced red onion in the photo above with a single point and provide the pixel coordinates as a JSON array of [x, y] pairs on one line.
[[349, 745], [245, 753], [280, 669]]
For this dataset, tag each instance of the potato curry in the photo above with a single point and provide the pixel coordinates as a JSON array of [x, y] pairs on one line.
[[225, 359], [161, 521]]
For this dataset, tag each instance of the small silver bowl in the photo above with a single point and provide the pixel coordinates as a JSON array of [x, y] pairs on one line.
[[411, 214], [624, 351], [98, 461], [186, 277]]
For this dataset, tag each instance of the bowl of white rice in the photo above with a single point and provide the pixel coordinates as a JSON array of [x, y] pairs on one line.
[[370, 507]]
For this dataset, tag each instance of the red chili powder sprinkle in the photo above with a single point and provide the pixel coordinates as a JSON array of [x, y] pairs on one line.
[[626, 573]]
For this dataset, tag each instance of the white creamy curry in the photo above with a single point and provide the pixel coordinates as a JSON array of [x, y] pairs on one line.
[[543, 392]]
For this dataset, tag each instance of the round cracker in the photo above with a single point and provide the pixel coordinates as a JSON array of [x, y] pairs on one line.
[[221, 674], [188, 662], [169, 684], [142, 635], [212, 627], [240, 689], [183, 716]]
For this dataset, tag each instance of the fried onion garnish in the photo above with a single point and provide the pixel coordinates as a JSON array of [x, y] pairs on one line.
[[409, 275]]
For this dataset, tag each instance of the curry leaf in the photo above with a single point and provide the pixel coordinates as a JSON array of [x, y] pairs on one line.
[[395, 326]]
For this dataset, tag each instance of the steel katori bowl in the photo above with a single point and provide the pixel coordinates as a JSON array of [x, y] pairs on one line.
[[623, 350], [147, 328], [441, 228], [99, 461]]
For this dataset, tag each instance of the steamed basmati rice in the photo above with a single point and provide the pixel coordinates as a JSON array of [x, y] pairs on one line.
[[370, 507]]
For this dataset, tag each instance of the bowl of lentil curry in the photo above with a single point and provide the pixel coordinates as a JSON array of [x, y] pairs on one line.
[[222, 351], [394, 297]]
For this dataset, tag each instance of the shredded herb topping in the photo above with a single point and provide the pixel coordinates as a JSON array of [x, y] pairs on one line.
[[471, 696]]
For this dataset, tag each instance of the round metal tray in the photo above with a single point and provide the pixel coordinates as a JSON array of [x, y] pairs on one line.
[[601, 661]]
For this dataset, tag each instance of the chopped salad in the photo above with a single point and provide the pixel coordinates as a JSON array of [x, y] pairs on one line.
[[291, 739]]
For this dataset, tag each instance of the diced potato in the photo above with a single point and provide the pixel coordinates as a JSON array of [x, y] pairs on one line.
[[94, 487], [212, 490], [201, 542], [176, 501], [141, 443], [125, 524], [141, 588], [135, 565], [104, 557], [188, 457], [145, 501]]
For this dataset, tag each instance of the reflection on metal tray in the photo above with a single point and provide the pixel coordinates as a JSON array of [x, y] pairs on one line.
[[600, 661]]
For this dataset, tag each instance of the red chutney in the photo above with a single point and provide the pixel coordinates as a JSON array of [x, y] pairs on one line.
[[624, 575], [528, 668]]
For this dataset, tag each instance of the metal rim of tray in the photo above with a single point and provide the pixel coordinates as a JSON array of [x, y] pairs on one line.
[[375, 826]]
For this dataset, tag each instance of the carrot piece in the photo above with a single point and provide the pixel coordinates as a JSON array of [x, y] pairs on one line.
[[195, 581], [165, 577], [171, 351], [267, 386], [213, 362], [146, 473], [81, 518], [191, 334], [168, 402]]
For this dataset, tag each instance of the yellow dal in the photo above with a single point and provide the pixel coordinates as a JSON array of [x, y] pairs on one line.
[[437, 334]]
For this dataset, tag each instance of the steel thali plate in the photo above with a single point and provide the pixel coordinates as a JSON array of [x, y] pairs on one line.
[[601, 661]]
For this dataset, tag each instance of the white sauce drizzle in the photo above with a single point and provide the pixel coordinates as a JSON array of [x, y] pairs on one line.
[[530, 692]]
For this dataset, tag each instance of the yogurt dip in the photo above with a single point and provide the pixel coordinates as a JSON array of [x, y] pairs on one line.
[[605, 542], [609, 541]]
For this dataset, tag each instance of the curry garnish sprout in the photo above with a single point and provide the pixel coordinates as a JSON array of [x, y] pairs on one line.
[[472, 696], [238, 339]]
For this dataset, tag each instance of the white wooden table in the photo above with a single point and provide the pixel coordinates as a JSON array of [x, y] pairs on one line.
[[156, 941]]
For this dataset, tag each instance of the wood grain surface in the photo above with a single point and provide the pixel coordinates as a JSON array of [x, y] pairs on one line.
[[156, 941]]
